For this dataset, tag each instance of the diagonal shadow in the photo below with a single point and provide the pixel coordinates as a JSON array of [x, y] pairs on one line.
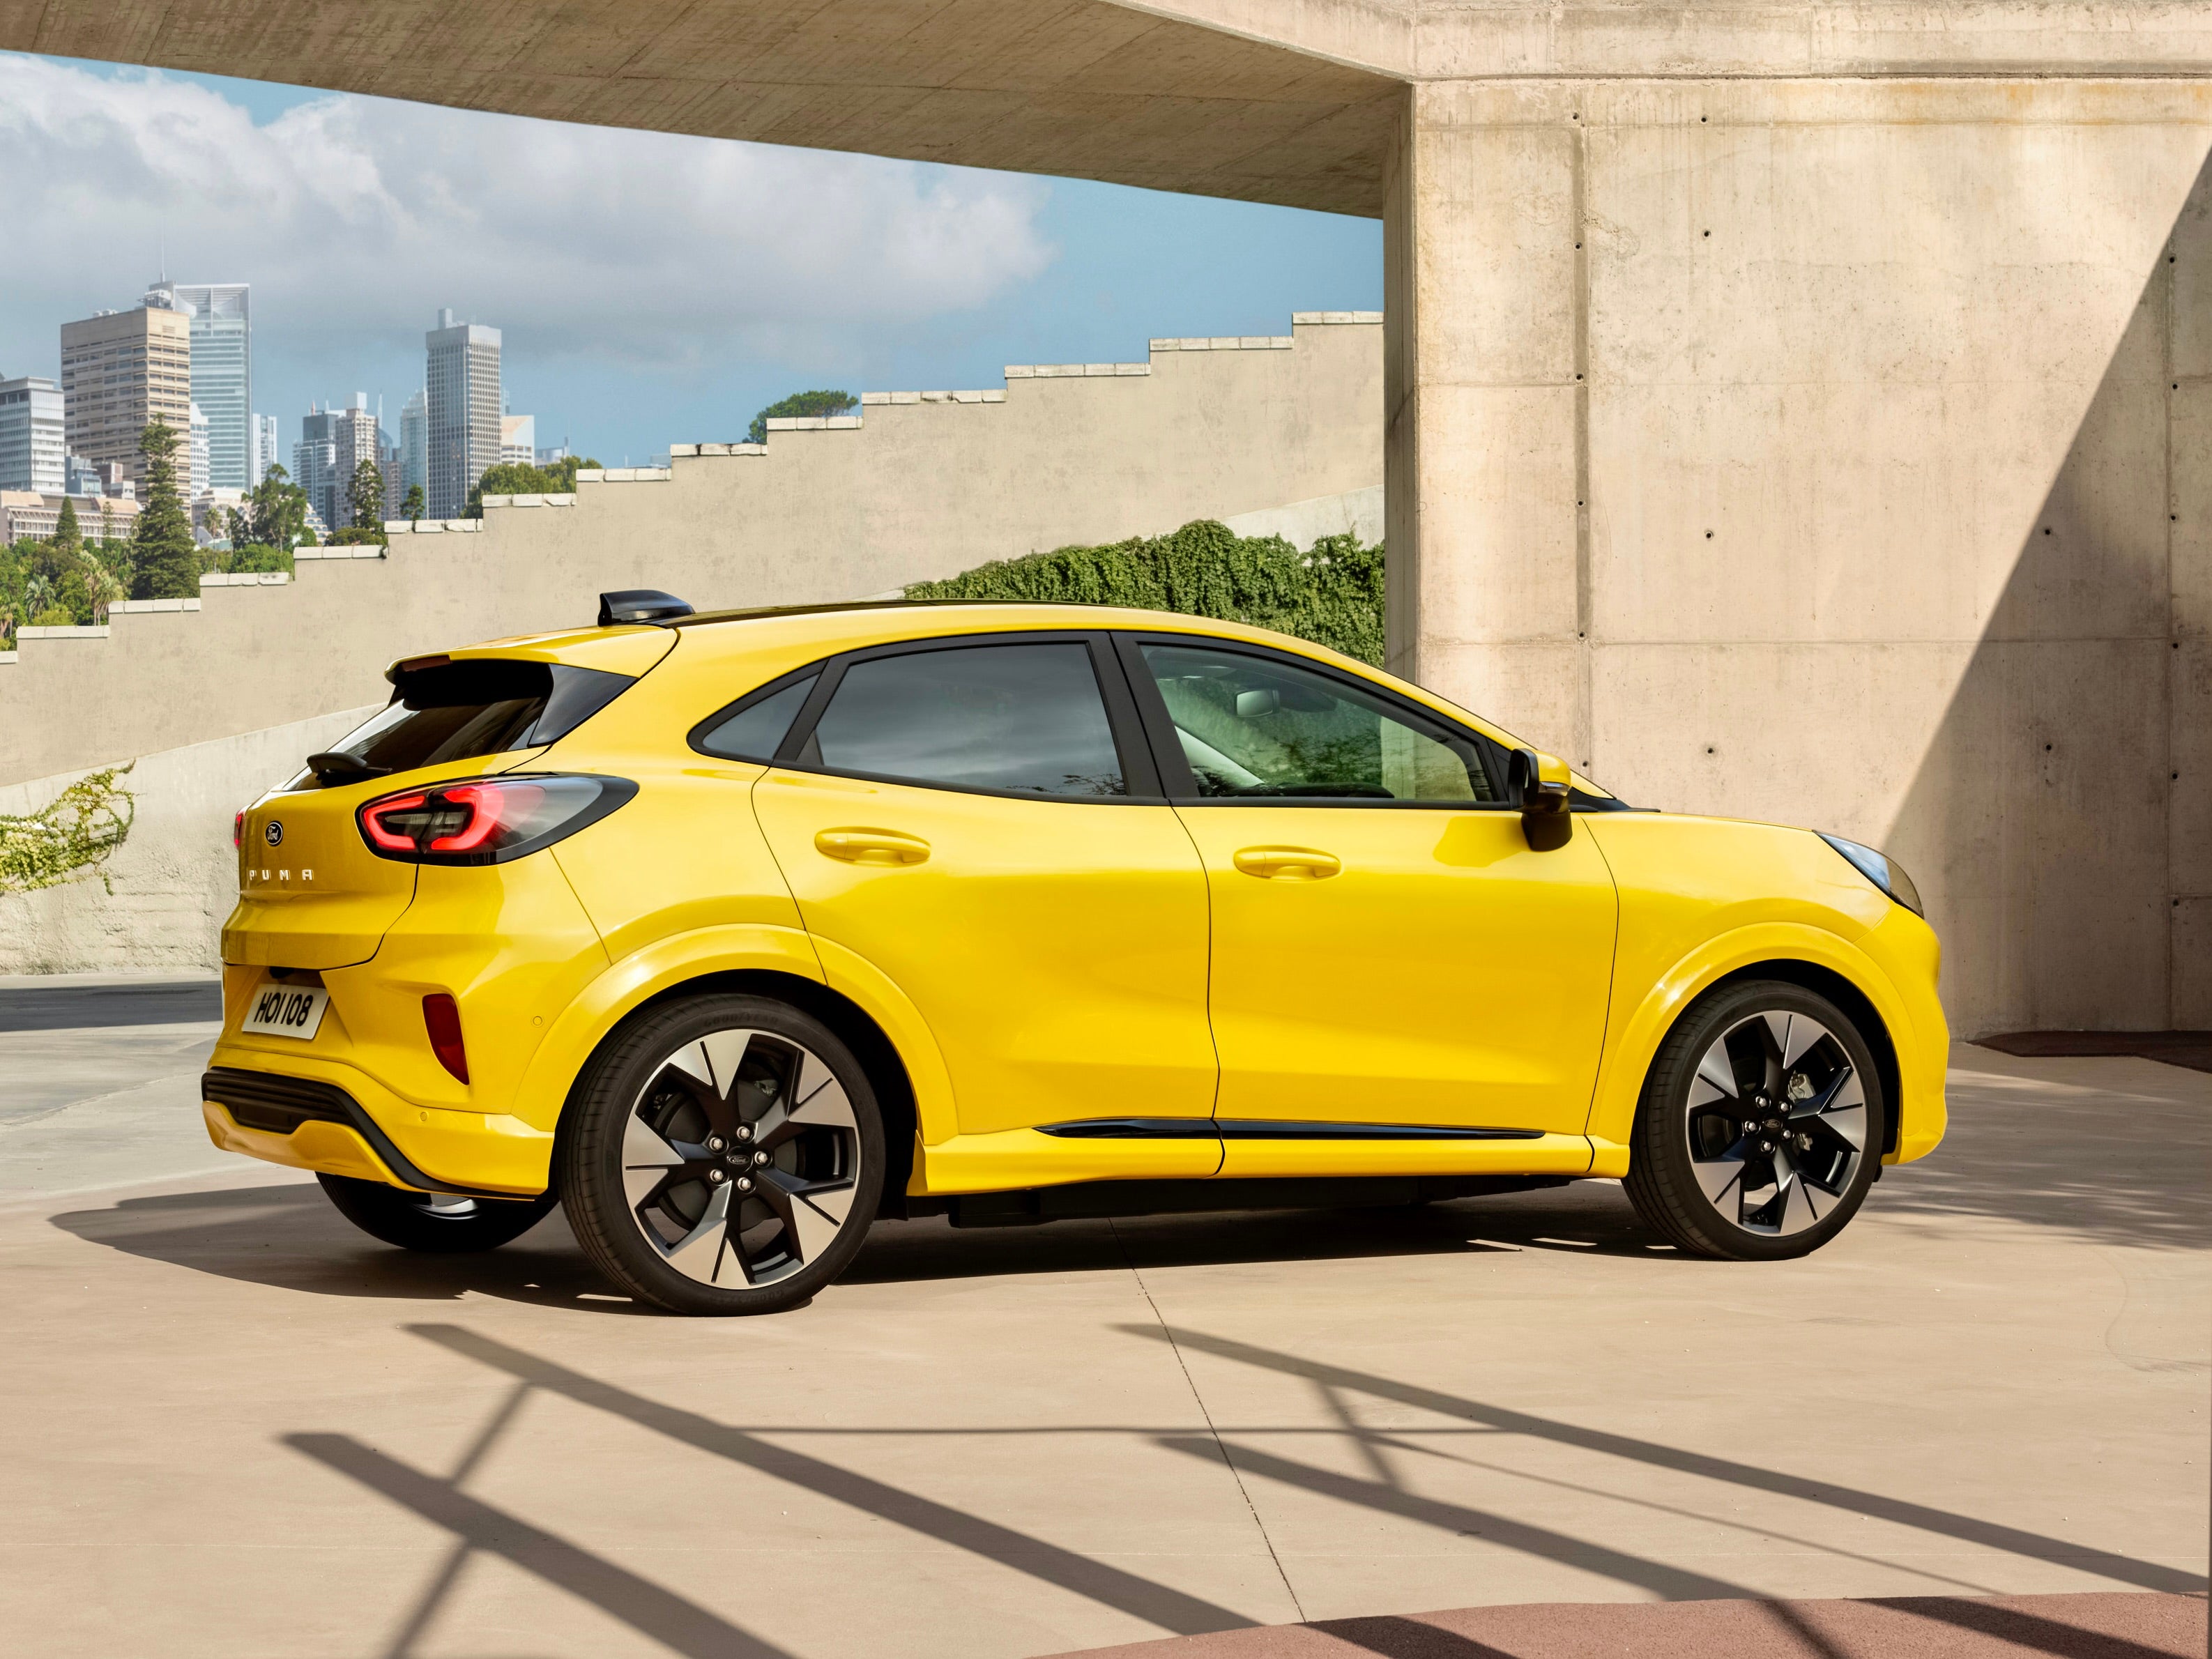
[[1110, 1586], [1674, 1583], [681, 1625], [1991, 1535], [2020, 1628]]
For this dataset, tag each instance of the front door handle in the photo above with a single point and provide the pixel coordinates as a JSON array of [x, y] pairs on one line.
[[885, 848], [1287, 863]]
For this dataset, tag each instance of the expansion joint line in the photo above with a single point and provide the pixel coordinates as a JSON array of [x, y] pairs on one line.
[[1191, 1383]]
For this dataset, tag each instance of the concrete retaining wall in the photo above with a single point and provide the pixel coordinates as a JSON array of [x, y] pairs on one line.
[[918, 485]]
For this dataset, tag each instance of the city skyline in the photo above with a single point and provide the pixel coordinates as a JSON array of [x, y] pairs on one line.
[[650, 289]]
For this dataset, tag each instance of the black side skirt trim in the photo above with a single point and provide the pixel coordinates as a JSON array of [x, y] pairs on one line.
[[1248, 1128], [264, 1100]]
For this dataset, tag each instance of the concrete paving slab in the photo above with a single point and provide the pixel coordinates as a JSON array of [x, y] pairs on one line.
[[240, 1428]]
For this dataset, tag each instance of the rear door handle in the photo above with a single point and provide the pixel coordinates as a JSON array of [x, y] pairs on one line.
[[885, 848], [1286, 863]]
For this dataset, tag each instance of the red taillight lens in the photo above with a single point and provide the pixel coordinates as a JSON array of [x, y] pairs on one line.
[[441, 1018], [237, 830], [487, 820]]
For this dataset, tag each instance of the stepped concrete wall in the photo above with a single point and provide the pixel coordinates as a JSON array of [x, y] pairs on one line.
[[918, 485]]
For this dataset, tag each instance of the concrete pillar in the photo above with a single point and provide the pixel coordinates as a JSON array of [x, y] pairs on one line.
[[1836, 453]]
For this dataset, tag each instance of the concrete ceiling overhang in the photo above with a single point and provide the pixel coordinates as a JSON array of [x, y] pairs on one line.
[[1082, 88]]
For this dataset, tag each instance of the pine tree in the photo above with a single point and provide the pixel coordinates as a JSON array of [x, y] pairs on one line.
[[67, 535], [365, 497], [163, 555], [411, 509]]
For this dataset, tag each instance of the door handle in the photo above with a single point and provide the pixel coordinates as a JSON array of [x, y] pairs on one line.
[[1286, 863], [885, 848]]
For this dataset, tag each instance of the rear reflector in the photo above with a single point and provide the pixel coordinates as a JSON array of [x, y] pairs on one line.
[[487, 820], [237, 830], [441, 1018]]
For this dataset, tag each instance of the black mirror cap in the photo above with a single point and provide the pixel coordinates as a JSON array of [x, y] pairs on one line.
[[1546, 808], [640, 604]]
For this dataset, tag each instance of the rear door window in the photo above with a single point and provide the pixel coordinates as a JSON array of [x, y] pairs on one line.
[[1022, 718]]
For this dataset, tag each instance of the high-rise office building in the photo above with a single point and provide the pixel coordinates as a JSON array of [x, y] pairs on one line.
[[415, 447], [264, 448], [33, 451], [222, 371], [315, 463], [121, 371], [198, 470], [354, 438], [464, 408]]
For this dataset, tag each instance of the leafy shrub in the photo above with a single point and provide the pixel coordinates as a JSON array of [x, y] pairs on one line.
[[70, 838], [1332, 595], [259, 558]]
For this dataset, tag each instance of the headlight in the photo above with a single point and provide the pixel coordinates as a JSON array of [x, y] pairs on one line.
[[1881, 870]]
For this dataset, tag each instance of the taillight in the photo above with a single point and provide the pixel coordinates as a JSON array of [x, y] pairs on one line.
[[237, 830], [441, 1018], [487, 820]]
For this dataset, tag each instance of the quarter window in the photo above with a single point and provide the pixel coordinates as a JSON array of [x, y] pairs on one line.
[[757, 731], [1255, 727], [1024, 718]]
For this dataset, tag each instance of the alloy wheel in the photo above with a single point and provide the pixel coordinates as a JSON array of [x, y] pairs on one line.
[[1777, 1123], [740, 1158]]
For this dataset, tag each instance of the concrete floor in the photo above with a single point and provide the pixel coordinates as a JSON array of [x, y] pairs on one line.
[[236, 1427]]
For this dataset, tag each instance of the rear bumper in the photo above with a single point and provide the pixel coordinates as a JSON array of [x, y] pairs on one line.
[[329, 1117]]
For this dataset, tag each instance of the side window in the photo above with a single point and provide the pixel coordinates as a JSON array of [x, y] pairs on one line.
[[757, 730], [1256, 726], [1026, 718]]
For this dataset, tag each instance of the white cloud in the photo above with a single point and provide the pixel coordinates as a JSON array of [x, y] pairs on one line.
[[359, 216]]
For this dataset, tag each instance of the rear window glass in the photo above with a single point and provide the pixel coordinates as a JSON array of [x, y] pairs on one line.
[[461, 710]]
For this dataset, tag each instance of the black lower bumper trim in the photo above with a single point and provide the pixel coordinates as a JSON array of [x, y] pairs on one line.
[[1095, 1199], [276, 1104]]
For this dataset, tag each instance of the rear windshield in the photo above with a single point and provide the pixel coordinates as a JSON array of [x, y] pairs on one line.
[[459, 710]]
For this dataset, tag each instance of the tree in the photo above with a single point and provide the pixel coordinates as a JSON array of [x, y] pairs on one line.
[[276, 514], [800, 406], [66, 533], [163, 554], [522, 478], [365, 495], [411, 508]]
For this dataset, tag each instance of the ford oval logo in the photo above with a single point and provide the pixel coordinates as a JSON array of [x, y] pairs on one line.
[[274, 835]]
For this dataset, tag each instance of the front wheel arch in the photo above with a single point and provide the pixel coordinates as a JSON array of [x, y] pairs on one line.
[[1826, 982]]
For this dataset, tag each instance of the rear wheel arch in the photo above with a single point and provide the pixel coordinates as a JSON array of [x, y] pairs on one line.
[[876, 1054]]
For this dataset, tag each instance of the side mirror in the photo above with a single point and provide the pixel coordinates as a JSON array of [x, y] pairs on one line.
[[1540, 786]]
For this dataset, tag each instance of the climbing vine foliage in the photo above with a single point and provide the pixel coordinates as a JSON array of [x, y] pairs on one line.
[[1332, 594], [69, 838]]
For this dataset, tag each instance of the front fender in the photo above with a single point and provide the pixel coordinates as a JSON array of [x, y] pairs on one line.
[[1638, 1031]]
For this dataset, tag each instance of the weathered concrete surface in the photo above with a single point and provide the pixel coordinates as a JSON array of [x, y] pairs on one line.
[[238, 1428], [916, 490], [1830, 452], [175, 878]]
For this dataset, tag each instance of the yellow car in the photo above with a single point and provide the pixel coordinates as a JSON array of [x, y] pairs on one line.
[[732, 933]]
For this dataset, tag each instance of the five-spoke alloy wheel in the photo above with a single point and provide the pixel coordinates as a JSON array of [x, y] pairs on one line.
[[1761, 1127], [724, 1156]]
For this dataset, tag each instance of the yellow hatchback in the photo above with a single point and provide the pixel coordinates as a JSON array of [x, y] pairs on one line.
[[731, 933]]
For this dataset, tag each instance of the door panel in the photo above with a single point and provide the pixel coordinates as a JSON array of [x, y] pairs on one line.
[[1441, 973], [1057, 948]]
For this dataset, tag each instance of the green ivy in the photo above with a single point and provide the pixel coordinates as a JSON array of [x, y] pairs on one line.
[[68, 838], [1332, 594]]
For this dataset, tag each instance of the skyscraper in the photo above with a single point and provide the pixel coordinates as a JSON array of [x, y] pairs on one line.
[[196, 468], [265, 446], [222, 371], [121, 370], [31, 448], [334, 440], [415, 447], [354, 438], [464, 410]]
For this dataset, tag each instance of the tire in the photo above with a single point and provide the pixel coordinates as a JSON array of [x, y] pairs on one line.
[[435, 1222], [722, 1155], [1760, 1126]]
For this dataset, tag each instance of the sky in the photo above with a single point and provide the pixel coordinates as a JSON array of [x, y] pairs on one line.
[[650, 289]]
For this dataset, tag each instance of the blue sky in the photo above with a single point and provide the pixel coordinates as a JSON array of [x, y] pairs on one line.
[[652, 290]]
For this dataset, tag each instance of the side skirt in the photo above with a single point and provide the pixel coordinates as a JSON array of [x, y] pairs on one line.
[[1096, 1200]]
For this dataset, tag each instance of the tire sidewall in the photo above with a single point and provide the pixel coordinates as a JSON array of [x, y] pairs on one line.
[[592, 1139], [1664, 1113]]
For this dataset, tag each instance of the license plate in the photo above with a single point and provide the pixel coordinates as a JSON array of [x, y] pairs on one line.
[[286, 1010]]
